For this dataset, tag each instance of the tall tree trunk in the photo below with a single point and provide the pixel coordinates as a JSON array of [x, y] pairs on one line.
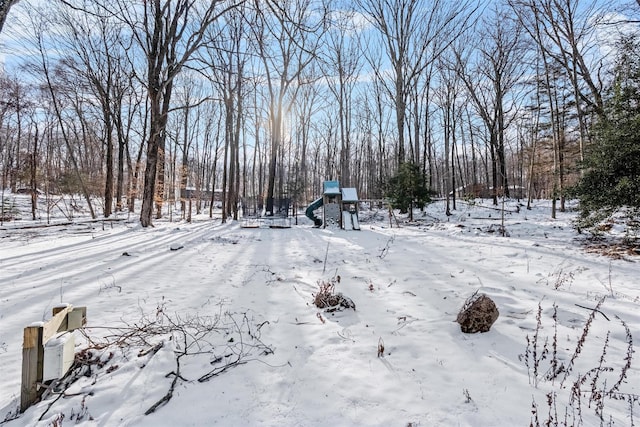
[[153, 190], [454, 157], [494, 168], [153, 146], [34, 176], [160, 177], [400, 105], [134, 184], [228, 132], [214, 167], [108, 185], [122, 143], [447, 144], [184, 166], [532, 162], [276, 133], [236, 145], [500, 147]]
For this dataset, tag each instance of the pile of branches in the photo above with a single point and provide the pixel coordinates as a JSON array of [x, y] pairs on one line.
[[226, 340]]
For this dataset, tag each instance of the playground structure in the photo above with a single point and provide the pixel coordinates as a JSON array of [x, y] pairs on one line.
[[340, 207]]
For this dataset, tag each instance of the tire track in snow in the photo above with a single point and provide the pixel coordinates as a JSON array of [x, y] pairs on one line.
[[39, 279], [73, 272], [136, 240]]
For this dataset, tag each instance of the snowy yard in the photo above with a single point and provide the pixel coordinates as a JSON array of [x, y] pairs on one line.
[[233, 308]]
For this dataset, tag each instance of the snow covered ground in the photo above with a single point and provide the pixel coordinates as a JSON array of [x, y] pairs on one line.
[[230, 310]]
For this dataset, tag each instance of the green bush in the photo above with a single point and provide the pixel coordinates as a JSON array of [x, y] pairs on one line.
[[611, 178], [407, 188]]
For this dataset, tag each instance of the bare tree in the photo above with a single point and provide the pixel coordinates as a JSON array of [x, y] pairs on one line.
[[125, 105], [306, 106], [489, 79], [422, 118], [288, 35], [96, 53], [189, 97], [168, 33], [211, 147], [562, 37], [138, 112], [447, 98], [563, 30], [342, 65], [33, 166], [381, 116], [44, 68], [412, 37], [226, 60], [15, 102]]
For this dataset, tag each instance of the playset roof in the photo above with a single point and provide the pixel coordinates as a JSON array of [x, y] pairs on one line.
[[331, 187], [349, 195]]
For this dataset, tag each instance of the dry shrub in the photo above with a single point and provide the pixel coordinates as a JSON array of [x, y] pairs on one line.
[[327, 298], [580, 398]]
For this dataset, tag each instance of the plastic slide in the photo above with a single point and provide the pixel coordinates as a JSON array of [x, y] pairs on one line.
[[346, 220], [355, 222], [312, 207]]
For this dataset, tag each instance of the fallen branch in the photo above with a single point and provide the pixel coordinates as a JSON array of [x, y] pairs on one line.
[[220, 370], [167, 397], [593, 309], [152, 350]]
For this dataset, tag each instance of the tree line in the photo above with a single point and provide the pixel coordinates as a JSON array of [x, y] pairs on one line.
[[157, 102]]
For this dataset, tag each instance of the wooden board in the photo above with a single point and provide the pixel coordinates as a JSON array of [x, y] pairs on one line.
[[32, 365], [64, 318]]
